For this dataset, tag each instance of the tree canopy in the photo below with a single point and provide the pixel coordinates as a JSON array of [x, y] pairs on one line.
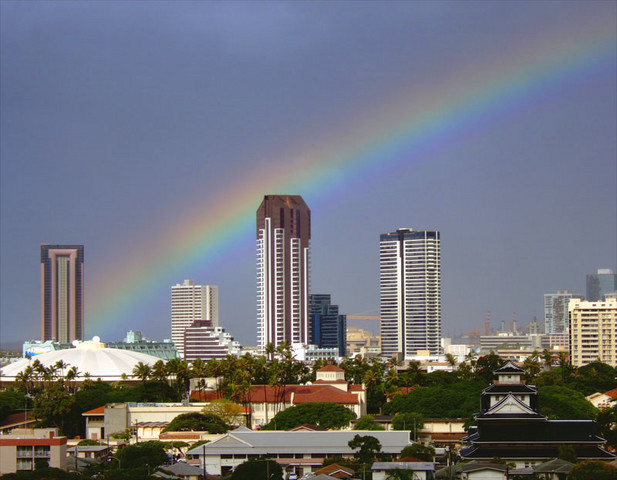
[[324, 414], [368, 422], [563, 403], [195, 421], [150, 454], [367, 447], [254, 469]]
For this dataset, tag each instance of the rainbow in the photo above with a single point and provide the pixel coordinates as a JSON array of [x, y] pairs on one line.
[[407, 126]]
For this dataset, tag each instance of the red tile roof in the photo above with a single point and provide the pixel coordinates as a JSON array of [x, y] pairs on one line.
[[336, 471], [612, 393], [96, 411], [17, 419], [300, 394]]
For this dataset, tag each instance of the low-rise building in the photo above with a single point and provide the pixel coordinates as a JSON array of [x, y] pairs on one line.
[[300, 451], [25, 449], [421, 470]]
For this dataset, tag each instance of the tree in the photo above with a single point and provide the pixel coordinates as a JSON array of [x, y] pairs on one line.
[[413, 421], [229, 411], [191, 422], [142, 371], [367, 448], [593, 470], [324, 414], [368, 422], [563, 403], [151, 454], [425, 453], [400, 474], [52, 404], [254, 469], [486, 365]]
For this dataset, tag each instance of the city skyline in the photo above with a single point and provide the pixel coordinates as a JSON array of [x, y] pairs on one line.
[[152, 142]]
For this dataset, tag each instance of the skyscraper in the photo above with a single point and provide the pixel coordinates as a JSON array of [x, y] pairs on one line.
[[556, 311], [593, 327], [600, 284], [192, 303], [328, 328], [410, 288], [62, 292], [283, 236]]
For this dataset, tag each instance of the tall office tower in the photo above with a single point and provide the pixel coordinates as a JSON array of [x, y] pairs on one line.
[[283, 236], [593, 331], [192, 303], [556, 311], [600, 284], [328, 328], [62, 292], [410, 287]]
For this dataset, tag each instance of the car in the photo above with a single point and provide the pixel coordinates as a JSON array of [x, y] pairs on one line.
[[292, 476]]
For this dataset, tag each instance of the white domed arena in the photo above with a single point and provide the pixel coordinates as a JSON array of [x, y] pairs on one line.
[[90, 357]]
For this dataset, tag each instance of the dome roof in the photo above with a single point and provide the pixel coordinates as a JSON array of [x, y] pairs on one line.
[[89, 357]]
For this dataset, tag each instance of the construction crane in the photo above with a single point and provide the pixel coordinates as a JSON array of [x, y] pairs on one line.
[[362, 316]]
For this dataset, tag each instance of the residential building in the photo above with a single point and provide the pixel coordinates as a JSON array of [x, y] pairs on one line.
[[593, 331], [510, 426], [362, 342], [556, 318], [201, 341], [62, 293], [410, 288], [302, 451], [328, 328], [600, 284], [283, 237], [192, 303], [25, 449]]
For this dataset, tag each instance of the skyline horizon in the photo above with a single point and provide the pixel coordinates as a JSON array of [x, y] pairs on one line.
[[151, 142]]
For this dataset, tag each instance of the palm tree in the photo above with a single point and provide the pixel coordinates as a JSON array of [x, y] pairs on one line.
[[159, 372], [142, 371], [451, 359]]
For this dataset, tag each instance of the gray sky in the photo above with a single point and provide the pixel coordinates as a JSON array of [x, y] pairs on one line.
[[119, 117]]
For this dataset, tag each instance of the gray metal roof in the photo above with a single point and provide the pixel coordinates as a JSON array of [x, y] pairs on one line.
[[414, 466], [268, 442]]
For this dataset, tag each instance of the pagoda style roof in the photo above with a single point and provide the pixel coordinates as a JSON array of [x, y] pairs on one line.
[[520, 388], [532, 453], [547, 432], [510, 407], [509, 367]]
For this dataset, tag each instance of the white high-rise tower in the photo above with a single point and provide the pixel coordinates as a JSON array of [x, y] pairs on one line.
[[410, 288], [283, 236], [192, 303]]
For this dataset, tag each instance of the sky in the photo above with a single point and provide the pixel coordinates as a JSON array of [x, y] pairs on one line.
[[150, 131]]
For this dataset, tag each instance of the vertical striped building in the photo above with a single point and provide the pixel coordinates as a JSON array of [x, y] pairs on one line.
[[192, 303], [62, 293], [410, 290], [283, 236]]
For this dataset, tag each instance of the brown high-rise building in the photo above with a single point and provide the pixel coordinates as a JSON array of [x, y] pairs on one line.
[[62, 293], [283, 236]]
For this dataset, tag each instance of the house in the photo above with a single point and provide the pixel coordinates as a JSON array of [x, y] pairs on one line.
[[183, 470], [335, 470], [265, 401], [421, 470], [511, 427], [24, 449], [603, 400], [483, 471], [300, 452], [95, 452]]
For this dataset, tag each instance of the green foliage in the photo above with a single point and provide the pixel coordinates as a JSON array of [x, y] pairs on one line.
[[195, 421], [88, 443], [324, 414], [486, 365], [151, 454], [367, 422], [593, 470], [226, 409], [607, 425], [400, 474], [562, 403], [592, 378], [43, 473], [413, 421], [458, 400], [254, 469], [419, 451], [368, 447], [52, 404], [12, 401]]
